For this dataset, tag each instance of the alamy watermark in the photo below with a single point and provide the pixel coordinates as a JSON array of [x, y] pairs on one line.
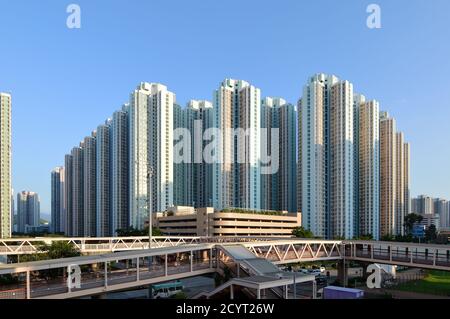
[[74, 19], [374, 19], [254, 147]]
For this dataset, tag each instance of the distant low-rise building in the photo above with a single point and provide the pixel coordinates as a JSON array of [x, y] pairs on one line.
[[189, 221]]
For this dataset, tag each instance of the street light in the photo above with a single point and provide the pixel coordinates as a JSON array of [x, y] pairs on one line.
[[149, 175]]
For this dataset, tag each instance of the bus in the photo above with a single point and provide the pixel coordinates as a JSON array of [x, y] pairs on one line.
[[167, 290]]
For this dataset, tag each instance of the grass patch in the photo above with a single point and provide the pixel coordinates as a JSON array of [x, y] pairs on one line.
[[434, 283]]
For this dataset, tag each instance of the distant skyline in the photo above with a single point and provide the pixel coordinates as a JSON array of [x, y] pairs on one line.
[[65, 82]]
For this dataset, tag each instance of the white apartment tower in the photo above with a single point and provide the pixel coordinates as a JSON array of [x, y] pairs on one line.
[[368, 194], [119, 170], [57, 200], [5, 166], [279, 189], [237, 112], [388, 180], [90, 185], [200, 117], [342, 179], [103, 180], [150, 151]]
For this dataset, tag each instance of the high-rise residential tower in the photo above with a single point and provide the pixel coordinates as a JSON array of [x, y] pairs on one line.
[[5, 166], [151, 151], [342, 180], [28, 211], [400, 183], [103, 183], [182, 188], [200, 117], [313, 153], [279, 189], [78, 191], [237, 172], [407, 178], [57, 200], [388, 170], [90, 185], [368, 169], [326, 157], [119, 170], [68, 195]]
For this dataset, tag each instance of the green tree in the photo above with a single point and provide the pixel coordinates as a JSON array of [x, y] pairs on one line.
[[60, 249], [301, 232], [431, 233], [410, 220], [131, 231]]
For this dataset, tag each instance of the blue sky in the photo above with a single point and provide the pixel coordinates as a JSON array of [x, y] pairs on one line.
[[65, 82]]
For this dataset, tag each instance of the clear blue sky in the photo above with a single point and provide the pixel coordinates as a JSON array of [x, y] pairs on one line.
[[65, 82]]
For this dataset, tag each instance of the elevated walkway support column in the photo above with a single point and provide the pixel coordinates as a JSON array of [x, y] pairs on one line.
[[342, 272]]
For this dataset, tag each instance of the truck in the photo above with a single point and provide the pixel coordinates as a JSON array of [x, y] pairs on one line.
[[334, 292]]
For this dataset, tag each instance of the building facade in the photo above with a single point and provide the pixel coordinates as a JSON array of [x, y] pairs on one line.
[[187, 221], [28, 211], [368, 170], [90, 185], [151, 126], [279, 189], [119, 170], [103, 184], [388, 169], [57, 200], [6, 219], [237, 171]]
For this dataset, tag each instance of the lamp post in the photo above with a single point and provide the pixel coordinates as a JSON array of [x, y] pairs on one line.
[[149, 176], [149, 203]]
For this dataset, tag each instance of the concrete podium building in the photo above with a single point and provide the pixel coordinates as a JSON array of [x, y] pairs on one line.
[[190, 221]]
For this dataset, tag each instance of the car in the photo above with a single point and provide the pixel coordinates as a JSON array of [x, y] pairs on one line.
[[304, 271], [316, 272]]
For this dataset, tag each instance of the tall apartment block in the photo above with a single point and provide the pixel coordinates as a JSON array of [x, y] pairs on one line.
[[5, 166], [200, 117], [68, 195], [388, 170], [58, 220], [342, 161], [423, 205], [119, 170], [28, 211], [407, 178], [103, 180], [368, 169], [400, 184], [236, 177], [313, 153], [151, 150], [326, 156], [90, 185], [280, 188], [182, 188], [78, 191]]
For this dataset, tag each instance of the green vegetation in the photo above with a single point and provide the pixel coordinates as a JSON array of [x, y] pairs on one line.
[[410, 221], [34, 235], [129, 232], [434, 283], [56, 250], [255, 212], [179, 295], [301, 232]]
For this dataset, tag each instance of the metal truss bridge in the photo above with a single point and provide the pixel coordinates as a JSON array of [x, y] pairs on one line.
[[114, 264]]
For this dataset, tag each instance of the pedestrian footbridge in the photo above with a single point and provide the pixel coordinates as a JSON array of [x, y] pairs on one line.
[[251, 262]]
